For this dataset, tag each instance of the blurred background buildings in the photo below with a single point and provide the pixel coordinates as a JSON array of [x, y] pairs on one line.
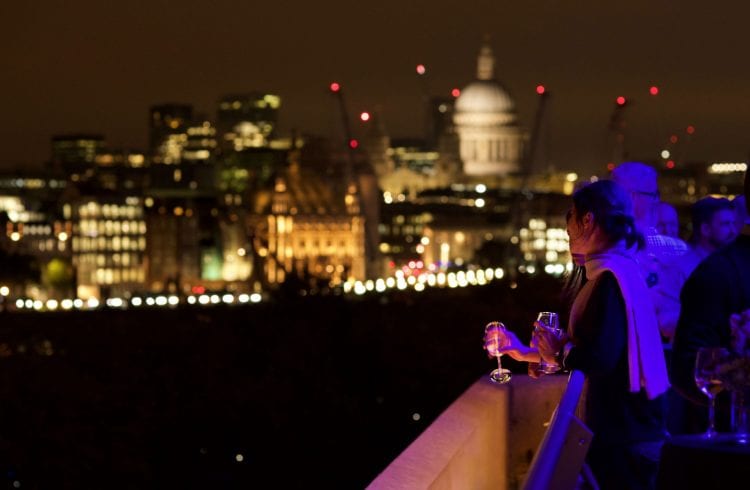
[[224, 204]]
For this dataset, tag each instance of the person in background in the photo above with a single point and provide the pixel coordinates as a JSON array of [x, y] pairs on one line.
[[667, 221], [713, 224], [718, 288], [613, 338], [713, 228], [641, 182]]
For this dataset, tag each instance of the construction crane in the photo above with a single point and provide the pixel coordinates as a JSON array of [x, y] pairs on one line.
[[616, 131], [351, 143]]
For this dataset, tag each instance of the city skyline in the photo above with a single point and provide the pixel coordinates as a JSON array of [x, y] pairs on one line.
[[91, 68]]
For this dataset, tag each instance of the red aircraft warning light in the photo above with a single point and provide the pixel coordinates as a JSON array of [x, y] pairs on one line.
[[670, 164], [620, 100], [353, 144], [653, 90], [335, 87], [690, 130], [540, 89], [421, 69], [455, 92], [365, 116]]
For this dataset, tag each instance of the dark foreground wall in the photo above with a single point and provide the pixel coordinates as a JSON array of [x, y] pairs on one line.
[[311, 392]]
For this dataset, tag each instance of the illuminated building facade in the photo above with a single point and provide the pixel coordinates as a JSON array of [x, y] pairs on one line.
[[200, 144], [247, 120], [313, 231], [491, 143], [108, 245], [168, 132]]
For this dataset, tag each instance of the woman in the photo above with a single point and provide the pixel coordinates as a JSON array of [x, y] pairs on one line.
[[613, 338]]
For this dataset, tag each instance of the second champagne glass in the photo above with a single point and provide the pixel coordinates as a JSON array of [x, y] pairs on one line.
[[707, 379], [496, 337], [551, 321]]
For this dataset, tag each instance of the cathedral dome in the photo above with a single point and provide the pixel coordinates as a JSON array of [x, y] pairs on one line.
[[484, 96]]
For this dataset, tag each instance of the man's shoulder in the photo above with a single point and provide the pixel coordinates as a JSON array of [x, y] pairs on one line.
[[665, 246], [722, 261]]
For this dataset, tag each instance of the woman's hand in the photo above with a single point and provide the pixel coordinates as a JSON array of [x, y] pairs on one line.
[[517, 350], [549, 343]]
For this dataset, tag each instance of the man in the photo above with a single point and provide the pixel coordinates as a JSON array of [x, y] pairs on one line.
[[713, 221], [667, 222], [640, 180], [716, 289]]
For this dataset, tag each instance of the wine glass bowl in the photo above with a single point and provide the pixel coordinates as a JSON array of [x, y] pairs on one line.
[[708, 380], [550, 321], [496, 338]]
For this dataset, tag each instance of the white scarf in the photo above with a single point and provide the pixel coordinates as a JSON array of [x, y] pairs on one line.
[[647, 366]]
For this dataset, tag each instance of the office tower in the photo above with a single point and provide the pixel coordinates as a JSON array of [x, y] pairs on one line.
[[200, 144], [74, 154], [247, 120], [168, 124], [108, 244]]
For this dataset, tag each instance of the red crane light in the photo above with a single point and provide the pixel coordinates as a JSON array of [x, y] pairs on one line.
[[620, 100], [654, 90], [353, 144], [540, 89], [335, 87]]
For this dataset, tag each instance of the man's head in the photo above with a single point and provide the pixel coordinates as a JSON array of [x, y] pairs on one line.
[[713, 222], [667, 222], [641, 182]]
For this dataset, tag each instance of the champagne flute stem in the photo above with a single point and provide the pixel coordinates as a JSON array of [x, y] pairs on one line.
[[499, 364], [711, 416]]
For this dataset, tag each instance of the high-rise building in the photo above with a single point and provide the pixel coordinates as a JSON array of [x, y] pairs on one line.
[[75, 154], [247, 120], [168, 125]]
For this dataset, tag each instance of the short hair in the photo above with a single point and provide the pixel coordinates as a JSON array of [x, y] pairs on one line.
[[612, 209], [636, 176], [705, 208]]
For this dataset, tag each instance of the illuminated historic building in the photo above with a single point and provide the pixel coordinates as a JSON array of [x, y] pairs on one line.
[[313, 230], [491, 143]]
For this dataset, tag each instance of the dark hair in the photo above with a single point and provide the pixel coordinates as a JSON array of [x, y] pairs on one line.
[[704, 209], [612, 209]]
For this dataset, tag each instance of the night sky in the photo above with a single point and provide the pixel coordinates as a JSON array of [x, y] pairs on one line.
[[92, 66]]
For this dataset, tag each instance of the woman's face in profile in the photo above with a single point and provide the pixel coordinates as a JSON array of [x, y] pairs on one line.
[[575, 233]]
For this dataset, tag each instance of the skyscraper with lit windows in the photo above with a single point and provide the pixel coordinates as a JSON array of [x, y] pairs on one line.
[[247, 120], [168, 126]]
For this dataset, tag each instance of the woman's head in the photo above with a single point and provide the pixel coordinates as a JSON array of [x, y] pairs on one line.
[[601, 216]]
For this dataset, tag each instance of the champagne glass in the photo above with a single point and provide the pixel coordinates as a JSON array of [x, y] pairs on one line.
[[551, 322], [496, 337], [707, 379]]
